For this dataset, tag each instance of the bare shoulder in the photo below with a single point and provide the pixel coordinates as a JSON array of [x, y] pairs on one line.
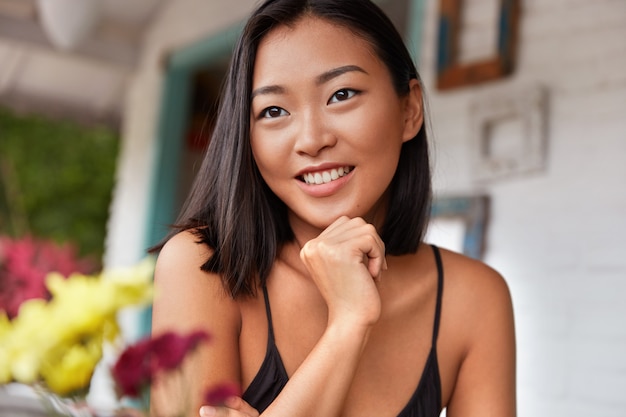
[[477, 305], [186, 293], [473, 286], [183, 250], [478, 340]]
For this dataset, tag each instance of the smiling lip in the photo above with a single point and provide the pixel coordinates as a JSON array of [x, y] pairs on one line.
[[324, 180], [324, 176]]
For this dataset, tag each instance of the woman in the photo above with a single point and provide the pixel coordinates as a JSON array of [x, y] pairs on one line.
[[300, 248]]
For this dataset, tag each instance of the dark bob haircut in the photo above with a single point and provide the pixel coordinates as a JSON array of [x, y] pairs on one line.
[[230, 207]]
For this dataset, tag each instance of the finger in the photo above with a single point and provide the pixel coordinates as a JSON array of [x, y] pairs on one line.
[[208, 411], [233, 407], [369, 242], [211, 411], [376, 261], [346, 229], [373, 247], [338, 223], [237, 403]]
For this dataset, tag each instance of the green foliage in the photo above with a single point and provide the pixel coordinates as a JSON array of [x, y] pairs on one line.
[[56, 180]]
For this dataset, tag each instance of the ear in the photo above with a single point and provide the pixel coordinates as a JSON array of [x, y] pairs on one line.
[[413, 111]]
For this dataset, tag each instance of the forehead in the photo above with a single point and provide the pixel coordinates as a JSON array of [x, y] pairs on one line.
[[311, 46]]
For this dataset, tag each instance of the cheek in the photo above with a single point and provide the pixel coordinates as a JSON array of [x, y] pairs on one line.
[[373, 132], [267, 157]]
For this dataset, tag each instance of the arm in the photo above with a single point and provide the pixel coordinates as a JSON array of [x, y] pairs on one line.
[[343, 262], [189, 299], [318, 387], [485, 385]]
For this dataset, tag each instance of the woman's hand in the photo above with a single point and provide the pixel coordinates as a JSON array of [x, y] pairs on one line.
[[233, 407], [344, 261]]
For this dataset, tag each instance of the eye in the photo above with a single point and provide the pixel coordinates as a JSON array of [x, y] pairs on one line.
[[342, 95], [272, 112]]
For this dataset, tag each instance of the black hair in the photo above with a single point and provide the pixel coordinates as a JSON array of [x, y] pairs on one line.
[[230, 207]]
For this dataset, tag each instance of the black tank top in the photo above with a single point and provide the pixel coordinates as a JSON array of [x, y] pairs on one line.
[[272, 376]]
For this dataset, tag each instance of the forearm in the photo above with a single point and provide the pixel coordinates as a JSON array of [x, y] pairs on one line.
[[344, 262], [321, 383]]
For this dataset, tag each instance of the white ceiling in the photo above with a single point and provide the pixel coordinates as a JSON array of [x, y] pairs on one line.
[[89, 84], [86, 84]]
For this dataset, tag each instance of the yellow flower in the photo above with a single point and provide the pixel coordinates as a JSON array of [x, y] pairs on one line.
[[70, 370], [132, 285], [5, 324], [25, 367], [60, 341], [5, 364], [29, 338], [81, 303], [5, 368], [110, 330]]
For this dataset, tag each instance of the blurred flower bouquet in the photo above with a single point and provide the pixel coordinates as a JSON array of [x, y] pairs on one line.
[[52, 339], [52, 327]]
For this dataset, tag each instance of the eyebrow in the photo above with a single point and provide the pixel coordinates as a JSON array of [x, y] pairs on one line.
[[336, 72], [321, 79], [270, 89]]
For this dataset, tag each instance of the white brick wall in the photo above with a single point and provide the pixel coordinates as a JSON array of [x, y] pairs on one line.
[[558, 236]]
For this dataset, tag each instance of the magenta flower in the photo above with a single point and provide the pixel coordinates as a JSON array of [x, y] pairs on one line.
[[132, 371], [24, 264], [216, 396], [170, 349], [140, 363]]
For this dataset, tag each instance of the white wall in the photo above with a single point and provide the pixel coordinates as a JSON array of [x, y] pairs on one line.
[[557, 235]]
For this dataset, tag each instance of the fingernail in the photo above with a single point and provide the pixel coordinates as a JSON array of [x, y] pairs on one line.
[[385, 267], [206, 411]]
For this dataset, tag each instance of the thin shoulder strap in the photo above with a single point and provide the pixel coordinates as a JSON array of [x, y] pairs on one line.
[[439, 293], [268, 312]]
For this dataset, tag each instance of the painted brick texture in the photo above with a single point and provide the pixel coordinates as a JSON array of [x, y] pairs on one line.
[[557, 235]]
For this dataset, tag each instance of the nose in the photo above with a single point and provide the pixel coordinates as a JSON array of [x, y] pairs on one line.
[[313, 134]]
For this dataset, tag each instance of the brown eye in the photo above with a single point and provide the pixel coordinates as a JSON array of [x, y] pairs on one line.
[[342, 95], [273, 112]]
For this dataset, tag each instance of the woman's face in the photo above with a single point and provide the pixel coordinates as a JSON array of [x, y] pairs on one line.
[[327, 125]]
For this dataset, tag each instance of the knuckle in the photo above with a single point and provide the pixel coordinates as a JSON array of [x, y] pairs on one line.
[[307, 250], [370, 228], [312, 249], [372, 239], [359, 220]]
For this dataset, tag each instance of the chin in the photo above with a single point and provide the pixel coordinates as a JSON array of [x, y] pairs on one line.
[[319, 223]]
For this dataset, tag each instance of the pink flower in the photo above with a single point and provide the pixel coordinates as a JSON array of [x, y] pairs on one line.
[[217, 395], [132, 371], [170, 348], [140, 363], [24, 264]]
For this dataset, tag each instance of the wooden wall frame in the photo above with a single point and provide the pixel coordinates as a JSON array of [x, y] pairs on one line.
[[452, 74]]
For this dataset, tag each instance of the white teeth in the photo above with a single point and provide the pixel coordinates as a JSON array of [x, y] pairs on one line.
[[325, 177]]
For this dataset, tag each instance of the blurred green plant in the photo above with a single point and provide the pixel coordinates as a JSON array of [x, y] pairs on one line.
[[56, 180]]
